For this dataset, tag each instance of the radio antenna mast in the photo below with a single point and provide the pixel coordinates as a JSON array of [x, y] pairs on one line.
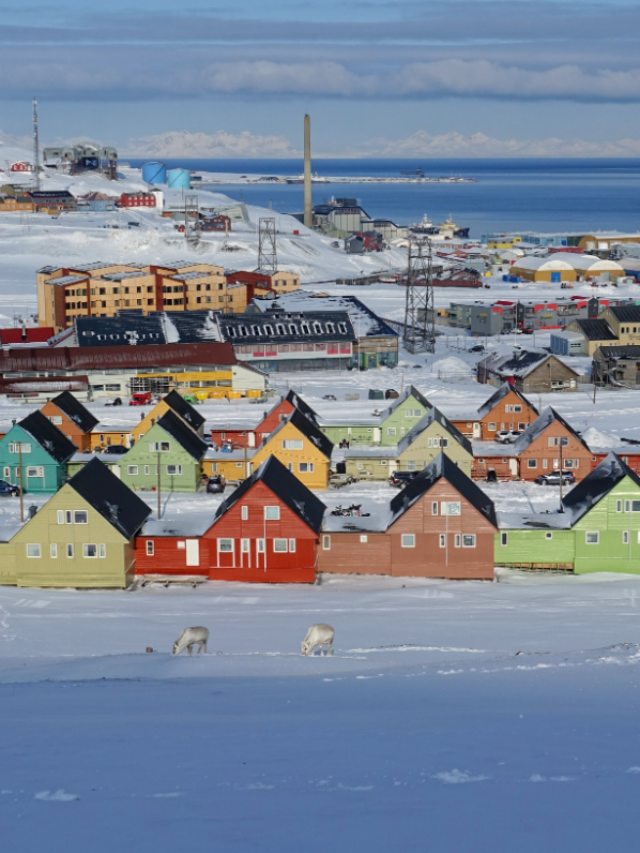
[[36, 145]]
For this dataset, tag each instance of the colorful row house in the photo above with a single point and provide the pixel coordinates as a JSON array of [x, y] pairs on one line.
[[34, 454], [598, 529], [82, 537], [238, 437], [508, 409], [266, 531], [72, 419], [440, 525], [432, 435]]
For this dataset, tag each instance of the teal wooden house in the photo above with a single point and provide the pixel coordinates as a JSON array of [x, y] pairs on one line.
[[170, 450], [598, 530], [385, 429], [37, 448]]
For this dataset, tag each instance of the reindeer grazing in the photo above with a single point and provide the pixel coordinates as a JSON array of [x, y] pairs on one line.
[[189, 637], [318, 635]]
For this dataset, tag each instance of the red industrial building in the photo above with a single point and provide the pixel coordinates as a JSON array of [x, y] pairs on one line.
[[25, 335], [139, 199]]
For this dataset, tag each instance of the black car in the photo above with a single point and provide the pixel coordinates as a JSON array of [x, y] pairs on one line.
[[8, 490], [553, 479], [116, 449], [401, 478], [215, 485], [477, 348]]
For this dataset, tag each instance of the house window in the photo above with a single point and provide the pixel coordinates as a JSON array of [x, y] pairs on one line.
[[443, 540], [272, 513], [159, 446], [70, 550], [364, 539], [391, 430], [434, 508], [280, 545], [132, 470], [6, 473], [632, 506], [34, 550], [532, 463], [492, 427], [411, 465], [292, 444], [60, 516], [548, 535], [468, 540], [504, 538], [146, 470], [456, 540], [14, 447], [450, 508], [245, 546], [326, 543], [408, 540], [591, 537], [181, 546], [35, 472], [150, 548], [618, 506], [305, 467], [244, 513], [81, 516], [225, 546], [625, 537], [90, 551], [174, 470], [292, 546], [260, 545]]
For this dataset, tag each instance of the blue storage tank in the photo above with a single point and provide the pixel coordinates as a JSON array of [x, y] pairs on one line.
[[154, 173], [179, 179]]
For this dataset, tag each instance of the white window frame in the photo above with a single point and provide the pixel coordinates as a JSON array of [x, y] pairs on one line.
[[260, 546], [39, 471], [70, 550], [326, 542], [176, 473], [625, 537], [305, 467], [272, 513], [228, 548], [292, 546], [280, 546], [77, 512], [244, 513], [85, 551], [471, 536], [150, 548], [443, 540], [245, 546], [60, 516], [589, 533], [132, 470], [36, 549], [408, 540], [457, 540], [532, 463], [451, 508]]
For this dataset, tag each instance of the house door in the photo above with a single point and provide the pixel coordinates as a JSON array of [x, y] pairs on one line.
[[513, 467], [556, 277], [477, 430], [377, 435], [251, 442], [193, 552], [115, 469]]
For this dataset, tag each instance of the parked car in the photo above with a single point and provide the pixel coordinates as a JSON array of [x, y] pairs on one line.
[[116, 449], [401, 478], [8, 490], [336, 481], [215, 485], [477, 348], [507, 436], [141, 398], [329, 397], [553, 479], [114, 401]]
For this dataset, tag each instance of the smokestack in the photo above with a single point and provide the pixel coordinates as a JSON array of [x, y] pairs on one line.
[[308, 211]]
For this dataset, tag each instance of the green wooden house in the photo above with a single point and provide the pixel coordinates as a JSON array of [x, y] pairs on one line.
[[598, 530], [35, 452], [84, 536], [173, 446], [432, 435], [386, 429]]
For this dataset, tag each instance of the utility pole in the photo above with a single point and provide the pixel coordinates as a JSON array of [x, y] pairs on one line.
[[560, 450], [267, 254], [159, 488], [20, 477], [36, 145], [419, 315]]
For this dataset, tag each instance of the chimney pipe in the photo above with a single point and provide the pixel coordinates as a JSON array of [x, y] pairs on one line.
[[308, 210]]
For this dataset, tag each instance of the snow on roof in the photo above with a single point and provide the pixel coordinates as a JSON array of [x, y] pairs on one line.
[[542, 264], [505, 389], [588, 263], [540, 424]]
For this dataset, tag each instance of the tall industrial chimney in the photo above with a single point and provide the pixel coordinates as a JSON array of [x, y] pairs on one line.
[[308, 209]]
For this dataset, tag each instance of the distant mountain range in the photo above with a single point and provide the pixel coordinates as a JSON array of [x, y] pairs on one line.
[[179, 143]]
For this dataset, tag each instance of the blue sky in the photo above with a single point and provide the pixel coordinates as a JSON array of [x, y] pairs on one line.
[[363, 70]]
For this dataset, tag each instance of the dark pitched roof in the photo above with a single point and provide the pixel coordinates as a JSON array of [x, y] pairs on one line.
[[187, 412], [501, 393], [109, 496], [287, 327], [48, 436], [626, 313], [432, 415], [596, 485], [539, 426], [136, 329], [411, 391], [596, 330], [184, 435], [75, 411], [286, 487], [630, 351], [300, 404], [441, 467], [308, 429]]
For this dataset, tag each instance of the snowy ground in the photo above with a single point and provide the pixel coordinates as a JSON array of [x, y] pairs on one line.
[[452, 716]]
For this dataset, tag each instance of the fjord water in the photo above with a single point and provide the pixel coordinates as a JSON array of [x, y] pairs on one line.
[[534, 195]]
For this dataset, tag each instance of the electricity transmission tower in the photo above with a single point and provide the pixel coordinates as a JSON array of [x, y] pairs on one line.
[[191, 219], [419, 314], [267, 255]]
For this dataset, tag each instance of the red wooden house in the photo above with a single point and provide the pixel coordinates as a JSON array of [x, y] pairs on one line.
[[266, 531], [271, 420]]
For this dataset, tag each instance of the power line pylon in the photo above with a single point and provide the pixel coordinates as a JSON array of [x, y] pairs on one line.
[[419, 315], [267, 255], [191, 219]]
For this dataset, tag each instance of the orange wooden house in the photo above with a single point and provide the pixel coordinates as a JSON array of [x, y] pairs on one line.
[[550, 443], [71, 418], [241, 437], [266, 531], [440, 525], [508, 408]]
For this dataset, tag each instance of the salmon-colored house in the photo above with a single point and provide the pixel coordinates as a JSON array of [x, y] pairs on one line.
[[440, 525], [71, 418], [508, 408], [272, 419], [266, 531], [548, 443]]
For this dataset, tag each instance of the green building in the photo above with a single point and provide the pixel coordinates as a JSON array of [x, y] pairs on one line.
[[173, 446], [598, 530], [386, 429], [35, 452], [84, 536]]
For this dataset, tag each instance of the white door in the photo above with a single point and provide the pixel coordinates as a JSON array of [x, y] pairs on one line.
[[477, 430], [115, 469], [252, 439], [513, 467], [193, 552], [377, 435]]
